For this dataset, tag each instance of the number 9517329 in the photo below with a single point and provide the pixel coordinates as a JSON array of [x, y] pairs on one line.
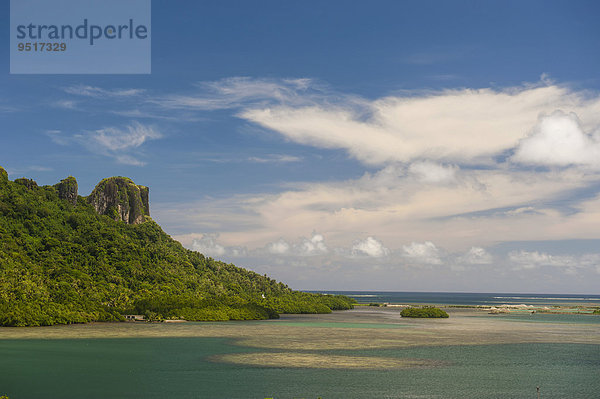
[[40, 46]]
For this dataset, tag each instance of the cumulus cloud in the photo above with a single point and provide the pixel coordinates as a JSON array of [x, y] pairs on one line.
[[559, 139], [370, 246], [315, 245], [208, 245], [279, 247], [570, 264], [476, 256], [530, 260], [312, 246], [425, 252]]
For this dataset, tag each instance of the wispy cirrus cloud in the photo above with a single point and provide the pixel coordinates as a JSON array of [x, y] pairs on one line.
[[15, 171], [98, 92], [65, 104], [237, 92], [120, 143], [275, 158], [5, 109]]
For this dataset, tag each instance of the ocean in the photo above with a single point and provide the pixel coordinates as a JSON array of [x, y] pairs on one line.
[[469, 299]]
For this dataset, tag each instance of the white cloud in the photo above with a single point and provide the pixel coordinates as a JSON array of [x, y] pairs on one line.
[[98, 92], [429, 172], [370, 246], [275, 158], [452, 125], [524, 210], [526, 260], [122, 144], [121, 139], [279, 247], [394, 206], [8, 108], [476, 256], [19, 171], [425, 252], [559, 139], [237, 91], [128, 160], [58, 137], [570, 263], [315, 245], [66, 104], [208, 245]]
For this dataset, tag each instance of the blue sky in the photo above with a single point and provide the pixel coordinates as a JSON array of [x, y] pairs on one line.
[[347, 145]]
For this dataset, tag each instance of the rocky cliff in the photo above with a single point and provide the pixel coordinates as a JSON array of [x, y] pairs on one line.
[[67, 189], [29, 183], [121, 199]]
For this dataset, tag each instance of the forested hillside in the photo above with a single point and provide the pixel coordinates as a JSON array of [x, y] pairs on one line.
[[63, 262]]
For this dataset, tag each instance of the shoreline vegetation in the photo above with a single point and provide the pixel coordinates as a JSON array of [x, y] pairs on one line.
[[62, 262], [426, 312]]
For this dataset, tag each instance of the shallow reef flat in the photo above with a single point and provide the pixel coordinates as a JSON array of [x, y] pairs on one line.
[[344, 339], [353, 329], [323, 361]]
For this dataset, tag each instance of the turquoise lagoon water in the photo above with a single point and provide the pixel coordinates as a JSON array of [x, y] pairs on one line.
[[182, 368]]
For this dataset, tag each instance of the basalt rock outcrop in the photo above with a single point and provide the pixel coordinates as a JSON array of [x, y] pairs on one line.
[[67, 190], [29, 183], [121, 199]]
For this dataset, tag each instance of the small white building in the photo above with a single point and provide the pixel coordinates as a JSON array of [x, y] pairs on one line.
[[134, 317]]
